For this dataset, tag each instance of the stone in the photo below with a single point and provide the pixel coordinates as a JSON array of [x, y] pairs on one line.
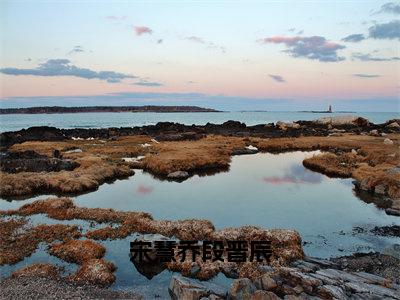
[[393, 125], [392, 250], [331, 291], [74, 151], [267, 282], [353, 151], [343, 120], [374, 132], [242, 289], [191, 289], [264, 295], [388, 141], [178, 175]]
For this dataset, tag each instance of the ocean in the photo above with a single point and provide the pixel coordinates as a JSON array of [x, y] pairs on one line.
[[15, 122]]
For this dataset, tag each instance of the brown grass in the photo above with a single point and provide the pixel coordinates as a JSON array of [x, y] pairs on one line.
[[77, 251]]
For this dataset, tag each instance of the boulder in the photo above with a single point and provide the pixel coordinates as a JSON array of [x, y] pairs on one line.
[[343, 120], [264, 295], [388, 141], [374, 132], [393, 125], [191, 289], [242, 289]]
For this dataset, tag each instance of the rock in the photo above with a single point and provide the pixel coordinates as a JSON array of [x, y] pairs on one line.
[[239, 151], [192, 289], [30, 161], [283, 125], [393, 125], [353, 151], [267, 283], [242, 289], [74, 151], [392, 211], [343, 120], [95, 271], [178, 175], [393, 171], [37, 270], [388, 141], [264, 295], [392, 250], [331, 291], [374, 132]]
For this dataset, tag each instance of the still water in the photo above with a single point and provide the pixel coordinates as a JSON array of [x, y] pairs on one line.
[[266, 190], [105, 120]]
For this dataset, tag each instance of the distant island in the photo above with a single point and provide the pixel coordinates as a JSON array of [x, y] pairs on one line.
[[95, 109]]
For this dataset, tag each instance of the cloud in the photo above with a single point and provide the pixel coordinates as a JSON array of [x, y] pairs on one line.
[[142, 30], [76, 49], [369, 57], [354, 38], [389, 8], [63, 67], [366, 75], [295, 175], [390, 30], [277, 78], [314, 47], [210, 45], [144, 82], [116, 18]]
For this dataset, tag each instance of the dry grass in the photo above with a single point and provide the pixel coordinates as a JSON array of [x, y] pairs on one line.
[[77, 251], [101, 160], [286, 244]]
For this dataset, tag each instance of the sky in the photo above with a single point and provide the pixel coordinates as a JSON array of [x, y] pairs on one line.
[[272, 55]]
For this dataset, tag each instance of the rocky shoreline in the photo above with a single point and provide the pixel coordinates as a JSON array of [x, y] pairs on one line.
[[49, 160]]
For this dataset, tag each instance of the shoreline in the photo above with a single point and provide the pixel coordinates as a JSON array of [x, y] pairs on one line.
[[46, 159]]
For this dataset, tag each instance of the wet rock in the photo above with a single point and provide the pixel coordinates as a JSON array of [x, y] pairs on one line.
[[78, 251], [37, 270], [388, 141], [393, 250], [30, 161], [178, 175], [238, 151], [191, 289], [95, 271], [393, 230], [242, 289]]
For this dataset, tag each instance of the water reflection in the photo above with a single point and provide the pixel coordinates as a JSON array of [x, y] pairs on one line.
[[296, 174]]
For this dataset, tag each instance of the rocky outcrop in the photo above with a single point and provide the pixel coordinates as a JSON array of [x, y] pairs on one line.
[[30, 161], [178, 175], [305, 279], [192, 289]]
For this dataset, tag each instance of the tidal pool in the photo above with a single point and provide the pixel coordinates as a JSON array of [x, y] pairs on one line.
[[266, 190]]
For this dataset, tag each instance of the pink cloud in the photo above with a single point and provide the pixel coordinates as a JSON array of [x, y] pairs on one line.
[[144, 190], [142, 30]]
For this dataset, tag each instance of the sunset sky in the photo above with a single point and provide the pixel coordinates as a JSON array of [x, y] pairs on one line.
[[278, 55]]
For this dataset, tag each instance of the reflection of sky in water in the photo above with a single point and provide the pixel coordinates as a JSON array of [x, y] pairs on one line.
[[267, 190]]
